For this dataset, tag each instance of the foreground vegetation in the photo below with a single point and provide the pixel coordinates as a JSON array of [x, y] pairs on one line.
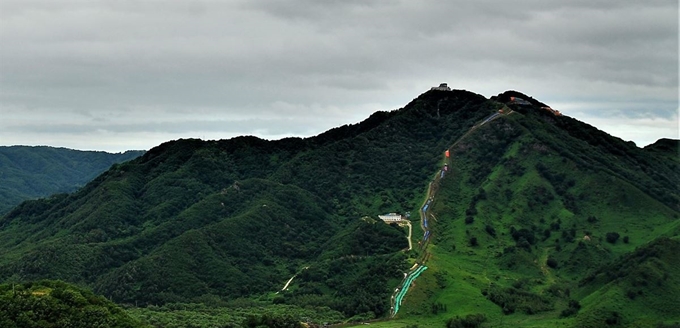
[[46, 304]]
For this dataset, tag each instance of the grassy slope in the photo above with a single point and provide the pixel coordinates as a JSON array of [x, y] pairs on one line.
[[502, 159], [642, 287]]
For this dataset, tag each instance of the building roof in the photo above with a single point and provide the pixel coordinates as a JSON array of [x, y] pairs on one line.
[[390, 217]]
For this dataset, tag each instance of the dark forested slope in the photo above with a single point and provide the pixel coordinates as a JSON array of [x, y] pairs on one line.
[[55, 304], [232, 218], [32, 172]]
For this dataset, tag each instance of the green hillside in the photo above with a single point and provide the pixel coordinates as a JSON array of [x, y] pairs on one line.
[[48, 304], [194, 220], [33, 172], [546, 221], [541, 220]]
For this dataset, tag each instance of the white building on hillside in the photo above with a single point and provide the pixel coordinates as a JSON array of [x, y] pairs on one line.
[[391, 217]]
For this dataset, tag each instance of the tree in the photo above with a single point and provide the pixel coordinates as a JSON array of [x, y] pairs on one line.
[[470, 321], [612, 237], [490, 230]]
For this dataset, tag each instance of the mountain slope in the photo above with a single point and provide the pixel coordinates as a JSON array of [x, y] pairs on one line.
[[534, 203], [233, 218], [215, 221], [635, 289], [32, 172]]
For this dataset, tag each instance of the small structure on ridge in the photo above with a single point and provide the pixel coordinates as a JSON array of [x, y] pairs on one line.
[[554, 111], [441, 87], [519, 101]]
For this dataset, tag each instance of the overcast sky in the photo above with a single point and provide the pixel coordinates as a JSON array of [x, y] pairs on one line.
[[118, 75]]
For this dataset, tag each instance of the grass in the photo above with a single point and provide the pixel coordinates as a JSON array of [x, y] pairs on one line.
[[569, 194]]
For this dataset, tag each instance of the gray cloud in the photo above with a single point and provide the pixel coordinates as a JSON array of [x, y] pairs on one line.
[[276, 68]]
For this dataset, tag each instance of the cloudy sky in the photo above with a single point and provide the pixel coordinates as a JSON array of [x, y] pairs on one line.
[[117, 75]]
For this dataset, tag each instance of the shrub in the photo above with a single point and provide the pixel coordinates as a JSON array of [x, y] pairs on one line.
[[546, 234], [612, 237], [473, 242], [613, 319], [437, 307], [625, 239], [572, 309], [470, 321], [528, 235], [555, 226], [512, 299], [279, 300], [552, 263], [490, 230], [469, 219]]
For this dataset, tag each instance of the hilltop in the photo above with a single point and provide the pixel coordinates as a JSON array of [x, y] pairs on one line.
[[32, 172], [230, 222], [543, 220]]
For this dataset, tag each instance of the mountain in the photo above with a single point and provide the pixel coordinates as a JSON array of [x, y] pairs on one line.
[[534, 213], [547, 221], [33, 172]]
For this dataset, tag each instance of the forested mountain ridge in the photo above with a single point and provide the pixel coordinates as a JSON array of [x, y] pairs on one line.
[[193, 220], [216, 221], [31, 172]]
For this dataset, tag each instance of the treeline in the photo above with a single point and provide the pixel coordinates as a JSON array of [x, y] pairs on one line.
[[48, 303]]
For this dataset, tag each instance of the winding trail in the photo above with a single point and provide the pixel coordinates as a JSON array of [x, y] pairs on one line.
[[410, 230], [432, 189], [288, 283], [291, 280]]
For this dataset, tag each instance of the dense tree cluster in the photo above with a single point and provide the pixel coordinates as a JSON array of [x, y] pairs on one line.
[[46, 304], [469, 321]]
